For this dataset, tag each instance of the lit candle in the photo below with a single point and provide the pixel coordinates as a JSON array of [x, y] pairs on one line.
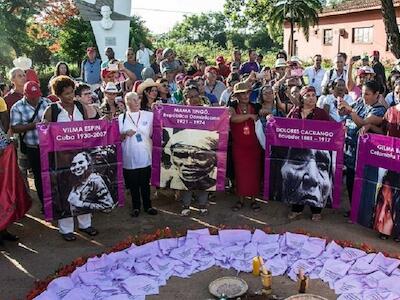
[[256, 266]]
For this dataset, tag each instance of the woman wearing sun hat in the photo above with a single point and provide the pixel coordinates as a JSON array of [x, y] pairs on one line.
[[110, 108], [246, 149], [149, 91]]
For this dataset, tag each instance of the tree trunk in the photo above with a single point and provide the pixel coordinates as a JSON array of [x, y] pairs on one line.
[[391, 28], [291, 38]]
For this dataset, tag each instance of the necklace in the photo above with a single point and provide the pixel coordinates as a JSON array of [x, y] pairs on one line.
[[243, 109]]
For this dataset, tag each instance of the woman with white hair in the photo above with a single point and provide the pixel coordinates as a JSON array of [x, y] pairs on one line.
[[136, 129]]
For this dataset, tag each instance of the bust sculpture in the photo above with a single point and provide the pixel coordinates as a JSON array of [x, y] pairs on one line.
[[106, 21]]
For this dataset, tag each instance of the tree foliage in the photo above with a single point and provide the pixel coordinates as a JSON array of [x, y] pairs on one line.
[[216, 27], [201, 28], [391, 28], [139, 33]]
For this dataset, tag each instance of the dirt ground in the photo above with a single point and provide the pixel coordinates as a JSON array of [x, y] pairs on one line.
[[41, 250]]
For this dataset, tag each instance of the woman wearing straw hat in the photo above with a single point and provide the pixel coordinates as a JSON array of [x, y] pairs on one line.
[[149, 91], [245, 147], [109, 108]]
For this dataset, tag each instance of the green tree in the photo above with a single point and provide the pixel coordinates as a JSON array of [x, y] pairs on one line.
[[74, 37], [391, 28], [139, 33], [201, 28], [303, 13]]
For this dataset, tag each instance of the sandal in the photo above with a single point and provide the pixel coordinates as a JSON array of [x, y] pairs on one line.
[[316, 217], [294, 215], [238, 206], [91, 231], [255, 206]]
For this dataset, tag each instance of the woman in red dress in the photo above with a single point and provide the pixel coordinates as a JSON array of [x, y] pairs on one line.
[[247, 152]]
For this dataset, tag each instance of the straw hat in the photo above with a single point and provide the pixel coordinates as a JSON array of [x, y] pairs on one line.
[[240, 87], [280, 63], [146, 84], [111, 88]]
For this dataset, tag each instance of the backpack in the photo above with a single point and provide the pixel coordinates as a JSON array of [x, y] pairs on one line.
[[55, 110]]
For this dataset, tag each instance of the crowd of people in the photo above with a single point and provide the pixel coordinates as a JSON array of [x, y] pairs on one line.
[[354, 91]]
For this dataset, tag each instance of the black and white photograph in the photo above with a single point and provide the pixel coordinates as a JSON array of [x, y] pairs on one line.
[[189, 159], [302, 176], [380, 200], [83, 181]]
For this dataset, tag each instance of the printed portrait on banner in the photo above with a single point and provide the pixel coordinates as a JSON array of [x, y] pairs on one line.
[[81, 168], [189, 159], [302, 176], [189, 147], [304, 162], [83, 181]]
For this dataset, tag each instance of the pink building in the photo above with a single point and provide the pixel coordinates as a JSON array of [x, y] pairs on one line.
[[355, 27]]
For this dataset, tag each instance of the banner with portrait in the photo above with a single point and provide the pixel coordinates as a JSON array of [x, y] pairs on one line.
[[376, 193], [189, 147], [81, 167], [304, 162]]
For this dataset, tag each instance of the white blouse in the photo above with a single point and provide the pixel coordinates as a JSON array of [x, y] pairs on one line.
[[136, 149]]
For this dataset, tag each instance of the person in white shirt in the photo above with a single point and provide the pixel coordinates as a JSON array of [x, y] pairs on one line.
[[339, 71], [136, 128], [143, 55], [315, 74], [330, 102]]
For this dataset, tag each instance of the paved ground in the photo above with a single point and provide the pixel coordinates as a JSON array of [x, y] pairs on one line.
[[41, 250]]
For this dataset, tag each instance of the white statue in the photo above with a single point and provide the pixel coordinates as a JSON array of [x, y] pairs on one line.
[[106, 21]]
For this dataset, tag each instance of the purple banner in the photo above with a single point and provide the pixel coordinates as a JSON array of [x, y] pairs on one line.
[[376, 194], [81, 167], [304, 162], [189, 147]]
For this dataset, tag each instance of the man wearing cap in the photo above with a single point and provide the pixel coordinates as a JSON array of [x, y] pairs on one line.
[[109, 52], [132, 64], [25, 114], [363, 74], [18, 79], [143, 55], [213, 86], [251, 65], [315, 74], [91, 68], [223, 69], [379, 70]]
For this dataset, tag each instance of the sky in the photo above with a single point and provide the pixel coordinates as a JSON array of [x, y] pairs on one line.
[[161, 15]]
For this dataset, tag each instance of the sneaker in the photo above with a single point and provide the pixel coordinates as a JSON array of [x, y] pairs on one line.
[[152, 211], [5, 235], [203, 211], [135, 213], [185, 212], [90, 231], [69, 237]]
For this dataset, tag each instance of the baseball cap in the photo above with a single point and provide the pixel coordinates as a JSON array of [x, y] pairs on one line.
[[32, 90], [105, 72], [361, 72], [375, 53], [220, 60]]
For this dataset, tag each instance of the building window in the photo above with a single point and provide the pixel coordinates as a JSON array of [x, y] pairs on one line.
[[328, 36], [362, 35]]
